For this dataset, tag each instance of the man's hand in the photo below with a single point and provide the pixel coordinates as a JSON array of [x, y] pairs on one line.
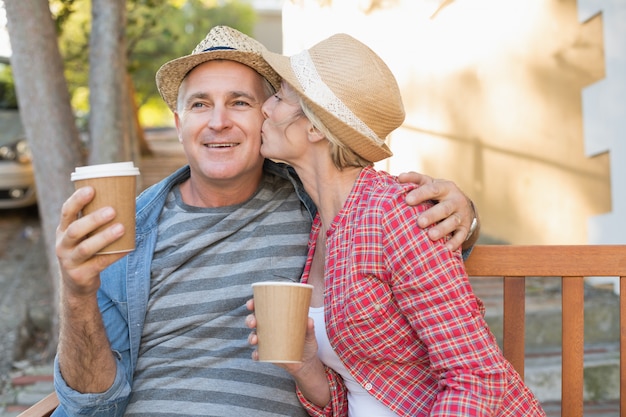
[[453, 214], [76, 250]]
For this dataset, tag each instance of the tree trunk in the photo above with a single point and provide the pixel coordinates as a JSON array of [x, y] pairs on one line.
[[140, 137], [47, 116], [109, 100]]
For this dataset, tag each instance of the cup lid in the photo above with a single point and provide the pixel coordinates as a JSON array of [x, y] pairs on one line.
[[115, 169]]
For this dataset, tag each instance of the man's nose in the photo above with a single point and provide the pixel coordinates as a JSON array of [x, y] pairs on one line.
[[219, 118]]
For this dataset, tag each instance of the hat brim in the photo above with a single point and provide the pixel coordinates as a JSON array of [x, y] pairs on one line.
[[171, 74], [359, 143]]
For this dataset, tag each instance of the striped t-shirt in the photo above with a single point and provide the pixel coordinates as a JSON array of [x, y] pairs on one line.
[[194, 357]]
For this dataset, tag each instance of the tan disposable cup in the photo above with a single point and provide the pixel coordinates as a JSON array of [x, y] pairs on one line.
[[281, 310], [115, 186]]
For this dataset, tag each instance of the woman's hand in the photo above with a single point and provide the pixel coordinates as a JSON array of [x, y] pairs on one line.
[[309, 374], [310, 343]]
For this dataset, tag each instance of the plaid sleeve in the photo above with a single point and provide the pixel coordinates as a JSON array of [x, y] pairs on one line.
[[338, 405], [432, 291]]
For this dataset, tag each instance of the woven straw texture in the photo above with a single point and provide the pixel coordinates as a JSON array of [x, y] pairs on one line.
[[222, 42], [361, 81]]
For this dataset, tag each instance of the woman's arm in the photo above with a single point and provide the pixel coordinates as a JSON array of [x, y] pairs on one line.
[[320, 390], [432, 291]]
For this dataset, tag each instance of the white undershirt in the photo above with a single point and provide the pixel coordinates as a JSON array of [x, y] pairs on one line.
[[360, 402]]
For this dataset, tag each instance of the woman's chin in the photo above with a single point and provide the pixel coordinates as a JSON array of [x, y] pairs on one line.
[[266, 152]]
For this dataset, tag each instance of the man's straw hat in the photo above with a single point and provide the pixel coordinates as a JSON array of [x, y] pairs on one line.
[[349, 88], [222, 42]]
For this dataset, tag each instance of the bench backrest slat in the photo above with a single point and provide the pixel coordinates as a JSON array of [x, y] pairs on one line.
[[514, 322]]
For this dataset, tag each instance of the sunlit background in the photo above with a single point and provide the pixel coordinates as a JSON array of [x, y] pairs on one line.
[[518, 102], [494, 96], [5, 47]]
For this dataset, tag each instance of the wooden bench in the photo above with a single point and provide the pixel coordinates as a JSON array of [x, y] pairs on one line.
[[570, 264], [43, 408], [514, 264]]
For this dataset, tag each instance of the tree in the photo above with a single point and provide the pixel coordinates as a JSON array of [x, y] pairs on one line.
[[46, 114], [150, 40], [109, 99]]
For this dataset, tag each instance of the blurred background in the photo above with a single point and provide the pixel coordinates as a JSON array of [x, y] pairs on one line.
[[519, 102]]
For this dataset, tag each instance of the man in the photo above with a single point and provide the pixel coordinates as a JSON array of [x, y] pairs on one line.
[[161, 330]]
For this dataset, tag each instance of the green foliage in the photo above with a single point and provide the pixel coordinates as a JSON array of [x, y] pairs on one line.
[[165, 39], [154, 113], [62, 10], [156, 32], [8, 97], [73, 21]]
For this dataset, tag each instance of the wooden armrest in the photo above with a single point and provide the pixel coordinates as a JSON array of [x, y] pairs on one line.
[[43, 408]]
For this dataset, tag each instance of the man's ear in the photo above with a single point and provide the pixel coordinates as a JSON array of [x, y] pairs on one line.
[[178, 127]]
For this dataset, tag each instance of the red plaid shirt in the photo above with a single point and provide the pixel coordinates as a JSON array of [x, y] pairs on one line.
[[401, 315]]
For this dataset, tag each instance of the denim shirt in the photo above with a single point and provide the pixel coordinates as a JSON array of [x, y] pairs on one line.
[[123, 302]]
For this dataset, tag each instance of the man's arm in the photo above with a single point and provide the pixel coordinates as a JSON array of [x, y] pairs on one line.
[[453, 214], [84, 354]]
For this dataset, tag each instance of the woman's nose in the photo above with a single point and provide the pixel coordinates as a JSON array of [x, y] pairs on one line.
[[265, 108]]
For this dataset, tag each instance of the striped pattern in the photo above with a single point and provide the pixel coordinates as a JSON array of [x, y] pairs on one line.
[[194, 357]]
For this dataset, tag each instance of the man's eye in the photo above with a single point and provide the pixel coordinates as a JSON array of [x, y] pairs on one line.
[[197, 105], [241, 103]]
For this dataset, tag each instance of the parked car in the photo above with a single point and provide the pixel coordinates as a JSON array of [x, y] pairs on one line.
[[17, 178]]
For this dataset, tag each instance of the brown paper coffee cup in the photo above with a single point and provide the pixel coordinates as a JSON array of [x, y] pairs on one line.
[[115, 186], [282, 310]]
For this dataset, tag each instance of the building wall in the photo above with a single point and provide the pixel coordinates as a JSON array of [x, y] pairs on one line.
[[268, 28], [493, 92], [604, 116]]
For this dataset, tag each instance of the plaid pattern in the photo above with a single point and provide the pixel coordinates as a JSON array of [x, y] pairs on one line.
[[403, 318]]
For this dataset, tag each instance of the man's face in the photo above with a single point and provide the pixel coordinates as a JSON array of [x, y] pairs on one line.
[[219, 121]]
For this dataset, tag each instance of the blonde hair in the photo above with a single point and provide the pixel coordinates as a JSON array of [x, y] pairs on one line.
[[341, 155]]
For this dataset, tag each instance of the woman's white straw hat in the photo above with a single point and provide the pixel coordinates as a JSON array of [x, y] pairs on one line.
[[349, 88], [222, 42]]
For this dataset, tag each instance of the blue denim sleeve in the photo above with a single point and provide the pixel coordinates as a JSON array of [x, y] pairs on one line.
[[467, 252], [111, 403]]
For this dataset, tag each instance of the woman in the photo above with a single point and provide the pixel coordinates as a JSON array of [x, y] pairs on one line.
[[397, 329]]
